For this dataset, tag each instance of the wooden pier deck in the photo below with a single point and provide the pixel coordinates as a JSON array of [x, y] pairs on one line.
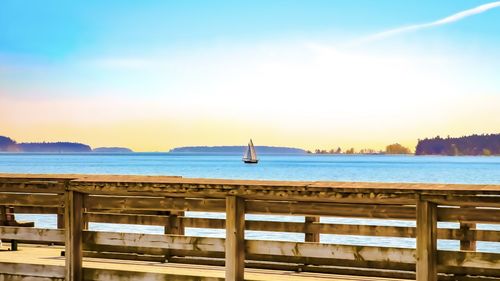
[[78, 200]]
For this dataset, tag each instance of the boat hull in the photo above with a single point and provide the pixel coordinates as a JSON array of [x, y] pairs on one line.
[[249, 161]]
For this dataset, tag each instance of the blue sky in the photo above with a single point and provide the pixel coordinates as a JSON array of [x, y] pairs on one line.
[[189, 64], [60, 29]]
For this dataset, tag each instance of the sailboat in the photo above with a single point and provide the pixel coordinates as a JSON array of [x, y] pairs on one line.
[[250, 157]]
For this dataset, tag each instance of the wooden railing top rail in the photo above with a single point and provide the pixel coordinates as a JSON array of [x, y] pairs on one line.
[[387, 193]]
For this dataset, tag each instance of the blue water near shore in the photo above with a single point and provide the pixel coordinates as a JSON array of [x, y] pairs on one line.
[[378, 168]]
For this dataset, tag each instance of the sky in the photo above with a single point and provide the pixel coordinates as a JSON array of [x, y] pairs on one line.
[[153, 75]]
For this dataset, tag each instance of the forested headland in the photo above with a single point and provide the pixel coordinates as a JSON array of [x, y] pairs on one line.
[[466, 145], [9, 145]]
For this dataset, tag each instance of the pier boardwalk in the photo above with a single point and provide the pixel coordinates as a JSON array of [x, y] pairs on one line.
[[153, 200]]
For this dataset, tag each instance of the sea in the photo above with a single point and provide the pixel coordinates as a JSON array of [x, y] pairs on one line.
[[366, 168]]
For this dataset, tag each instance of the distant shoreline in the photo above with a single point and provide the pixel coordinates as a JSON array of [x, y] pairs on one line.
[[473, 145]]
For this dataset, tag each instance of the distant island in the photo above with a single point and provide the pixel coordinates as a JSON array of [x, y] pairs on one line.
[[9, 145], [237, 149], [112, 150], [467, 145]]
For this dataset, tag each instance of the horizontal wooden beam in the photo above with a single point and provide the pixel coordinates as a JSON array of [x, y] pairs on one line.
[[469, 259], [24, 271], [33, 186], [37, 200], [274, 189], [126, 218], [471, 200], [330, 251], [331, 209], [476, 215], [31, 234], [97, 274], [175, 242], [94, 203], [35, 210]]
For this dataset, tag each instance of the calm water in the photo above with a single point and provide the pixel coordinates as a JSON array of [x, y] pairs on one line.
[[437, 169]]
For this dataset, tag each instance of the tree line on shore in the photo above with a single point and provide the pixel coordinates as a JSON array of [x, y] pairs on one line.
[[487, 144], [395, 148]]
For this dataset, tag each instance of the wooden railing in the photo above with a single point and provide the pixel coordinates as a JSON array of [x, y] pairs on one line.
[[162, 201]]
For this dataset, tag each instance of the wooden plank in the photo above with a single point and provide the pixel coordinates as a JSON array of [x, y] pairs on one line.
[[470, 215], [94, 274], [367, 230], [255, 207], [235, 238], [483, 235], [36, 210], [23, 270], [330, 251], [470, 259], [426, 241], [94, 203], [311, 235], [33, 186], [27, 199], [14, 277], [470, 234], [331, 209], [154, 241], [164, 251], [101, 184], [124, 256], [204, 223], [465, 201], [127, 218], [31, 234], [383, 265], [73, 225]]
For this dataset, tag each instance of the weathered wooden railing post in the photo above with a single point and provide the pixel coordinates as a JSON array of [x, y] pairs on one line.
[[426, 241], [175, 224], [311, 236], [235, 238], [60, 218], [467, 244], [7, 218], [73, 214]]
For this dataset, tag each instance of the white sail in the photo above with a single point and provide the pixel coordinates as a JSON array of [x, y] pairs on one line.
[[250, 154], [253, 155], [247, 153]]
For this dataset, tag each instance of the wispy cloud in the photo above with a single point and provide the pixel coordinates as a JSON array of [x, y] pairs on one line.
[[450, 19]]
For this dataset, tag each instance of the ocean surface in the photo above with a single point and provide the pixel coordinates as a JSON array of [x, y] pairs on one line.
[[378, 168]]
